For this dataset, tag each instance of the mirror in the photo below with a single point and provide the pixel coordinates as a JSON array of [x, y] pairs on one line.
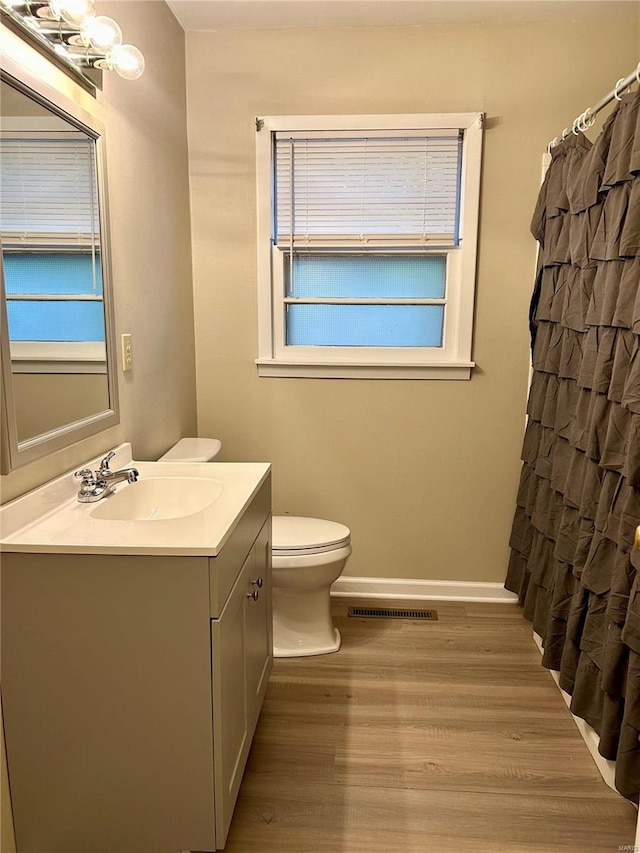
[[57, 330]]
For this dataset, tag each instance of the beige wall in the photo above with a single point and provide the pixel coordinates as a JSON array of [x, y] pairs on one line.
[[38, 398], [150, 234], [424, 472]]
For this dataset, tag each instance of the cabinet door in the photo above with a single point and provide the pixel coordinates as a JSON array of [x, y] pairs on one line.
[[242, 656], [258, 627], [230, 735]]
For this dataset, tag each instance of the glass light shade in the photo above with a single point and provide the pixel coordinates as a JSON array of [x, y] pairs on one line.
[[74, 12], [126, 60], [102, 33]]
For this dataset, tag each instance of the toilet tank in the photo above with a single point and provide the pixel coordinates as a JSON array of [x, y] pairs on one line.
[[193, 450]]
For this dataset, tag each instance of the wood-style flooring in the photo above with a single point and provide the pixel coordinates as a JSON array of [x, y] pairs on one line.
[[424, 737]]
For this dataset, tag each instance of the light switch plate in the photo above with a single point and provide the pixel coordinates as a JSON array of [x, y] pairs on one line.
[[127, 352]]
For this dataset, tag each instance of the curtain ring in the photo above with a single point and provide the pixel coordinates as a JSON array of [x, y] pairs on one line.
[[615, 90], [588, 119], [576, 125], [638, 72], [564, 134], [552, 144]]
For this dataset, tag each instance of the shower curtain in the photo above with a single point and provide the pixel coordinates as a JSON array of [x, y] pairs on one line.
[[578, 501]]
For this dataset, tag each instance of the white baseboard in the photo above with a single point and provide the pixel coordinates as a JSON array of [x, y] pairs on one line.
[[590, 736], [488, 593]]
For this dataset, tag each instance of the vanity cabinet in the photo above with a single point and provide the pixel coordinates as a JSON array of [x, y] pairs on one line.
[[131, 687]]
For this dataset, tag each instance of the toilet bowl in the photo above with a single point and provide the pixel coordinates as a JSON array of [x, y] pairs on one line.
[[308, 555]]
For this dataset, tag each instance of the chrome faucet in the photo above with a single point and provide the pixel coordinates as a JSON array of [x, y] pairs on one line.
[[99, 484]]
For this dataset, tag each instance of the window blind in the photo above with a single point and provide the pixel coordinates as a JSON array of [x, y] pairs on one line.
[[367, 191], [48, 191]]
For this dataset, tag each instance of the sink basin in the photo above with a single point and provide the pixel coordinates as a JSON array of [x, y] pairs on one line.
[[158, 499]]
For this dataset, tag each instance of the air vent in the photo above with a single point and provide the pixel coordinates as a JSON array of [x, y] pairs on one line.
[[385, 613]]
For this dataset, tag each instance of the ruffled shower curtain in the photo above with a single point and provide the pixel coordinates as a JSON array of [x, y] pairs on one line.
[[579, 497]]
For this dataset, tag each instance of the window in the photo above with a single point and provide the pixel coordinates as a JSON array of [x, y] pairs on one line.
[[367, 231], [50, 233]]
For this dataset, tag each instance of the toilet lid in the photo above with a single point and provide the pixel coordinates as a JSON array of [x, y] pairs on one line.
[[294, 533], [193, 450]]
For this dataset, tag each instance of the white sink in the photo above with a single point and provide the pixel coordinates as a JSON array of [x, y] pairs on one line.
[[158, 498], [175, 508]]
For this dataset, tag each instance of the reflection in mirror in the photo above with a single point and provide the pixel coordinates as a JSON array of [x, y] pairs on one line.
[[53, 273]]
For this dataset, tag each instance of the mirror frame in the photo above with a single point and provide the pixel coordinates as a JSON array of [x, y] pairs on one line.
[[14, 454]]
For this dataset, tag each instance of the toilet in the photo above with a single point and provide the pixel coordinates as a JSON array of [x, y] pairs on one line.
[[308, 555]]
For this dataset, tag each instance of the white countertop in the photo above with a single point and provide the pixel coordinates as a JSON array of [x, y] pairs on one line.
[[50, 519]]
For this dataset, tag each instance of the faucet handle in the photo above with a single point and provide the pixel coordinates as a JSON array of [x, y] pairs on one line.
[[84, 474], [104, 465]]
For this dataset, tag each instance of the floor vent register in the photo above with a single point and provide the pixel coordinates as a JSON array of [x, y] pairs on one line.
[[386, 613]]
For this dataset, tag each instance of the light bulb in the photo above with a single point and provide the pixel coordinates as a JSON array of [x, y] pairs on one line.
[[126, 60], [74, 12], [102, 33]]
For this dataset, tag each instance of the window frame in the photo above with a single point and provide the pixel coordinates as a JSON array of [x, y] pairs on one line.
[[450, 361]]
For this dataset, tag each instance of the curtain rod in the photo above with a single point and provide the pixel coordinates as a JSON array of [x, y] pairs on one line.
[[586, 119]]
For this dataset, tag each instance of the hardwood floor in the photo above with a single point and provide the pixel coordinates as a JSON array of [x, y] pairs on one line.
[[423, 737]]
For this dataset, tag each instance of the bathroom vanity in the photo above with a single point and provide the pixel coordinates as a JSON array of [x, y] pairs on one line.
[[136, 652]]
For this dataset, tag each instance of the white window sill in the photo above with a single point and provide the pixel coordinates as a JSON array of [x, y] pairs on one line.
[[363, 370], [58, 357]]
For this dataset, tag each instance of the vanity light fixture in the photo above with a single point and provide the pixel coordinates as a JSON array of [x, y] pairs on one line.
[[74, 32]]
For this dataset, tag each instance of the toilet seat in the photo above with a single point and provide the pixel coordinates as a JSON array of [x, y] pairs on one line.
[[294, 535]]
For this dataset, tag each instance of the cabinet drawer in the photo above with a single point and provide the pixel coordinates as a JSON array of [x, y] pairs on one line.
[[224, 569]]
